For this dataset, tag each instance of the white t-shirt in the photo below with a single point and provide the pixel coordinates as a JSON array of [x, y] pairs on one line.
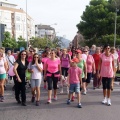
[[36, 74], [10, 58], [2, 67]]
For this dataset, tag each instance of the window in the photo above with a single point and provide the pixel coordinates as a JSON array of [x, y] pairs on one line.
[[18, 27], [17, 18]]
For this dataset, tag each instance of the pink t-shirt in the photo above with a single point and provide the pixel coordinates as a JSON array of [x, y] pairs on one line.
[[30, 58], [74, 73], [44, 62], [53, 65], [89, 62], [2, 68], [106, 66]]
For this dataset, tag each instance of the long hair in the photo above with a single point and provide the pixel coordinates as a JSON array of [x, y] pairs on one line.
[[39, 60], [19, 55]]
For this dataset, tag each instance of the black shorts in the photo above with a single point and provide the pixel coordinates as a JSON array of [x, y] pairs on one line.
[[89, 76], [64, 71]]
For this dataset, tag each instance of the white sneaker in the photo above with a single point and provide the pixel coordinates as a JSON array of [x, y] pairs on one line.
[[104, 101], [61, 91], [109, 102]]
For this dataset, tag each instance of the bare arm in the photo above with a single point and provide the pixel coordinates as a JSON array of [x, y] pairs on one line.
[[39, 68], [15, 71], [85, 70], [6, 66], [59, 68]]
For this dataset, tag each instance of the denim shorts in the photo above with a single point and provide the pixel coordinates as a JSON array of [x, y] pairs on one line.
[[35, 83], [74, 88]]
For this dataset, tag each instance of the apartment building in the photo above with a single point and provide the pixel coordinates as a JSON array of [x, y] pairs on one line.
[[14, 20], [42, 31]]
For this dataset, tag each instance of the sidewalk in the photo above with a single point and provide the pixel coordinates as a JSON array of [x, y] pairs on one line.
[[59, 110]]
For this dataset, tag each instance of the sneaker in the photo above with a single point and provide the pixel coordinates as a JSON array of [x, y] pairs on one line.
[[2, 99], [37, 103], [61, 91], [55, 98], [33, 99], [79, 105], [109, 102], [24, 104], [49, 101], [84, 93], [104, 101], [68, 101]]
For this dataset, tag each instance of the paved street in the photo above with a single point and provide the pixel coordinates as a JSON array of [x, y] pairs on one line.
[[59, 110]]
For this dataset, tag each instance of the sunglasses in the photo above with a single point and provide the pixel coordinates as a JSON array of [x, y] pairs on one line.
[[23, 54], [31, 51], [108, 48], [85, 51], [36, 57]]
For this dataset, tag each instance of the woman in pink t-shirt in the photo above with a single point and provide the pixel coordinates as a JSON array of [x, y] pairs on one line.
[[51, 74], [44, 59], [106, 68], [90, 67]]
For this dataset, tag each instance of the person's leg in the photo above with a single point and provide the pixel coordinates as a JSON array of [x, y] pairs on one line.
[[23, 94], [37, 85], [2, 90], [55, 81], [62, 80], [113, 79], [89, 76], [17, 91], [109, 82], [104, 83], [84, 86], [95, 80], [33, 90], [49, 81]]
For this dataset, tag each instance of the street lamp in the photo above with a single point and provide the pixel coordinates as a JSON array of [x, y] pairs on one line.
[[27, 28], [116, 10]]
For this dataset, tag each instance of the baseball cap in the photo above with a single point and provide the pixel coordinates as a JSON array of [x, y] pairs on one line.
[[75, 60], [79, 51]]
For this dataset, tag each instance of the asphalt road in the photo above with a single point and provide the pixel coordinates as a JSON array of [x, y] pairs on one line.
[[59, 110]]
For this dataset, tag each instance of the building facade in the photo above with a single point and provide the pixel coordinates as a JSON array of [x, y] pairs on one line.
[[14, 20], [42, 31]]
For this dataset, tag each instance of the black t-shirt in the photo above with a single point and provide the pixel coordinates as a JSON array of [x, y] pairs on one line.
[[21, 68]]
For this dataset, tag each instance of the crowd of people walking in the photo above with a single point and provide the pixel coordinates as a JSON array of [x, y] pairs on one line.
[[72, 68]]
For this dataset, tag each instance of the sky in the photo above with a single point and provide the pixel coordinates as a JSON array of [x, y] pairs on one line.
[[65, 13]]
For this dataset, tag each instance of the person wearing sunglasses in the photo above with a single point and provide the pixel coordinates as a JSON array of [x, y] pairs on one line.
[[106, 69], [51, 74], [90, 67], [20, 68], [3, 69], [36, 67]]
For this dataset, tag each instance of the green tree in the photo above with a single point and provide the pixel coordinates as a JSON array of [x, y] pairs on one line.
[[21, 42], [9, 41], [98, 21]]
